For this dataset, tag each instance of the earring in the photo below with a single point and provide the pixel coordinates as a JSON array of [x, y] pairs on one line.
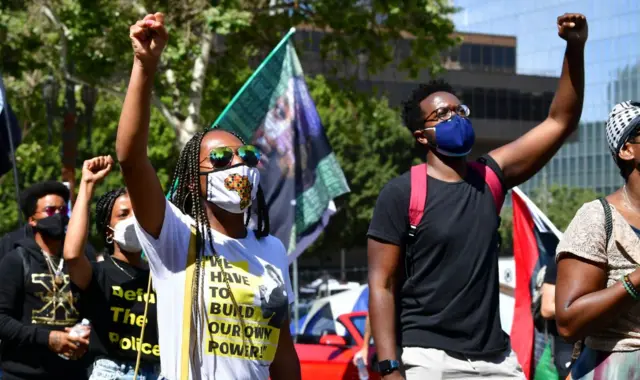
[[109, 240]]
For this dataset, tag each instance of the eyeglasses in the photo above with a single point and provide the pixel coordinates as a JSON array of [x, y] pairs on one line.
[[52, 210], [222, 157], [446, 113]]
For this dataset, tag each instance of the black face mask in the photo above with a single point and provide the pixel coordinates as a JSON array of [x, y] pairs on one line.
[[54, 226]]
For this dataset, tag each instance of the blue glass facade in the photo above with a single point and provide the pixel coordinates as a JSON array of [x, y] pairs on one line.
[[612, 60]]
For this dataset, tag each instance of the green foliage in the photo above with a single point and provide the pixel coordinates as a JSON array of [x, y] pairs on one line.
[[372, 147], [366, 134], [558, 203], [39, 161], [506, 229]]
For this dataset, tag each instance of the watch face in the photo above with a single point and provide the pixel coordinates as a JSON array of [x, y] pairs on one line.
[[388, 366]]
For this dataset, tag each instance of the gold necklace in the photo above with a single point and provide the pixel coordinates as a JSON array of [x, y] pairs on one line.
[[119, 267], [627, 202], [56, 273]]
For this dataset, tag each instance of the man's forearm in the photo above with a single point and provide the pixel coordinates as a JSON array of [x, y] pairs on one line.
[[382, 313], [567, 103]]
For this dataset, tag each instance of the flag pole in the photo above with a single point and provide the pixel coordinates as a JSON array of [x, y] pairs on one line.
[[296, 302], [12, 152], [254, 74]]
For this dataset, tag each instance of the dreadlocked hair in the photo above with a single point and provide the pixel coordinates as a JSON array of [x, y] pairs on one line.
[[185, 194], [104, 208], [412, 116]]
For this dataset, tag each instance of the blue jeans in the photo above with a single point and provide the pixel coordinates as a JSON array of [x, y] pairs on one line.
[[105, 369]]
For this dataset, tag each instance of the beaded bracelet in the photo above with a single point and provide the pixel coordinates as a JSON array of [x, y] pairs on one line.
[[628, 286]]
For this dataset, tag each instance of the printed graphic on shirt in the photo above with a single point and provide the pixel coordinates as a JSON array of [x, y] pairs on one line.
[[127, 320], [252, 331], [59, 303]]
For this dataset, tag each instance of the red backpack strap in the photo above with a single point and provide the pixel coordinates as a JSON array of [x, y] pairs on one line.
[[491, 179], [418, 197]]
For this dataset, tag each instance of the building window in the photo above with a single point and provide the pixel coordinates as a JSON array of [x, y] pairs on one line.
[[476, 55], [537, 112], [479, 103], [525, 107], [467, 99], [465, 54], [498, 57], [502, 104], [487, 56], [455, 54], [492, 104], [510, 57], [514, 105]]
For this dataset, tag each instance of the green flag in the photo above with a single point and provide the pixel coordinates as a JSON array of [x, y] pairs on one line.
[[300, 174]]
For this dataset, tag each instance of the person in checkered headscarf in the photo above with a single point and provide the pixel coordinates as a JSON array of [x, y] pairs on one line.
[[622, 132], [598, 281]]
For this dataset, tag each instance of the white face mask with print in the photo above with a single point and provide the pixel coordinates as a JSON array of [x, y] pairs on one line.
[[233, 189], [124, 234]]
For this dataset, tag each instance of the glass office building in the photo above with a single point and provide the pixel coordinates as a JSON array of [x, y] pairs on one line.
[[612, 60]]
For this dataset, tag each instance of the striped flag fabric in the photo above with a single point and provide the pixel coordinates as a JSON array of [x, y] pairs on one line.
[[534, 244], [300, 173]]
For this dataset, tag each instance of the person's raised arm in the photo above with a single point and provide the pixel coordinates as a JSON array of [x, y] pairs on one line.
[[383, 262], [524, 157], [149, 38], [80, 271]]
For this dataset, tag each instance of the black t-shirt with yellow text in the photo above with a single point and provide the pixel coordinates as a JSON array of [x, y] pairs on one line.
[[114, 301]]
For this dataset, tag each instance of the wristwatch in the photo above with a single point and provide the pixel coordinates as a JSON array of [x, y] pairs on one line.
[[386, 367]]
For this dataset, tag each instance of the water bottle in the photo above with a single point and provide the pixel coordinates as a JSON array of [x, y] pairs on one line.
[[80, 329], [363, 373]]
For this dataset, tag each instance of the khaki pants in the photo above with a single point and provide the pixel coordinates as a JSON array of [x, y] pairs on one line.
[[432, 364]]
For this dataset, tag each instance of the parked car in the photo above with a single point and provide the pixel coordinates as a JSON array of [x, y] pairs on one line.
[[329, 356]]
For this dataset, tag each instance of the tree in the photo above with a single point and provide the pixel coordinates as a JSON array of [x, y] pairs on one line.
[[213, 47], [39, 161], [558, 203], [562, 203], [212, 43], [506, 230]]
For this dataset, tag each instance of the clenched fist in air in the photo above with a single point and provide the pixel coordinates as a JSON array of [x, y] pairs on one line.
[[573, 28], [148, 37]]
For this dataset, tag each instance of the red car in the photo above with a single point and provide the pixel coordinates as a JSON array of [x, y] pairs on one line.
[[330, 356]]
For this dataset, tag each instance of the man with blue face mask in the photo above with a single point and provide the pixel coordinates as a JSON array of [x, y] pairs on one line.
[[434, 278]]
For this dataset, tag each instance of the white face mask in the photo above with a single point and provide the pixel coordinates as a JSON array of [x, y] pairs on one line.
[[124, 234], [233, 189]]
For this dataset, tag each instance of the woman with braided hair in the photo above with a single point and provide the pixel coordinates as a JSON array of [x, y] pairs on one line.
[[119, 301], [208, 268]]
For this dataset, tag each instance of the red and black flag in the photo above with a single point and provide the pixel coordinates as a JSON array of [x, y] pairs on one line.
[[534, 244]]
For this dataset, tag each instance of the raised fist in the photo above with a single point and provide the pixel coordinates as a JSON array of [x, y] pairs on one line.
[[149, 37], [573, 28], [95, 169]]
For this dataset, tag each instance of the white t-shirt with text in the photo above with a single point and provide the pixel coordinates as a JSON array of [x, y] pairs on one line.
[[258, 273]]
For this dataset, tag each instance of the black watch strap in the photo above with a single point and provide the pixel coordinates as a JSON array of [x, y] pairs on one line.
[[388, 366]]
